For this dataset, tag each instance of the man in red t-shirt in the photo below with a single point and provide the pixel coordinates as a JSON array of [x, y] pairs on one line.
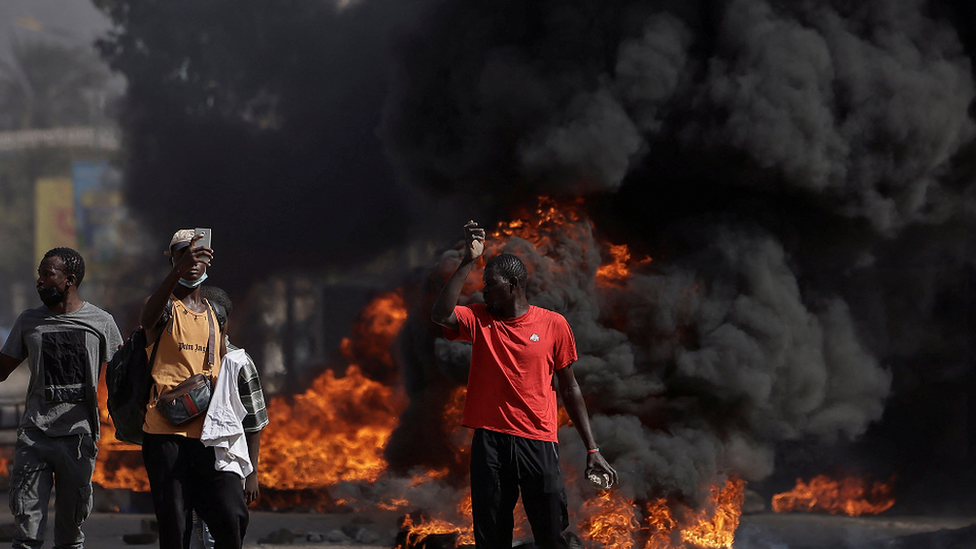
[[511, 400]]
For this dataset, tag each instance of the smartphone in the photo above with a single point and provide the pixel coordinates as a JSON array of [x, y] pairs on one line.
[[205, 241]]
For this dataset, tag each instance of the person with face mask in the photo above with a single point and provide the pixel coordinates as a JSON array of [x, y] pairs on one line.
[[65, 343], [180, 326]]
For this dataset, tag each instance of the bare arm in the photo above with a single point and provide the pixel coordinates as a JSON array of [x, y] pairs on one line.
[[443, 311], [572, 396], [252, 489], [7, 365], [154, 306]]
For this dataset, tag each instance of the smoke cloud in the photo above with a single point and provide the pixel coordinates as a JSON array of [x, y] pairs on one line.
[[771, 155], [798, 170], [753, 364], [861, 108], [866, 107]]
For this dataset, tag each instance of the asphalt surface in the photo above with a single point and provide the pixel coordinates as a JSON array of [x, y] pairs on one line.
[[105, 530], [306, 530]]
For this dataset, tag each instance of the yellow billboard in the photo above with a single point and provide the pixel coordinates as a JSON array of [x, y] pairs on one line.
[[54, 215]]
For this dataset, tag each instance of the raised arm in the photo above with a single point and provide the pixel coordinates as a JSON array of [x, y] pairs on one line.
[[443, 311], [154, 306], [572, 396]]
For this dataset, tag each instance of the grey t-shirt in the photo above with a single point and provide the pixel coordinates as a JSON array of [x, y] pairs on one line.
[[65, 353]]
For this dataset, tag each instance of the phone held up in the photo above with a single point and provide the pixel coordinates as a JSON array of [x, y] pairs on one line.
[[205, 240]]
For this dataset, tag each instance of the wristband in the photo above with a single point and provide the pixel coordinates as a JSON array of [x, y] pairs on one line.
[[593, 451]]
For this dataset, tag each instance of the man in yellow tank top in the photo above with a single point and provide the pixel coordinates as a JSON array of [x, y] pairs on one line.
[[180, 468]]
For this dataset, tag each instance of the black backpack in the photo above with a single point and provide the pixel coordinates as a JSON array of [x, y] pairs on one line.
[[128, 378]]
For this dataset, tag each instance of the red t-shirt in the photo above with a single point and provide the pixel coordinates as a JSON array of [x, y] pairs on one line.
[[510, 387]]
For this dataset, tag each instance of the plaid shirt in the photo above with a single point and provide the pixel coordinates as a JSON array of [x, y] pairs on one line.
[[252, 396]]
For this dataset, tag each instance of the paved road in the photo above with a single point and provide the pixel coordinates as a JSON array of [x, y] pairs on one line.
[[105, 530], [761, 531]]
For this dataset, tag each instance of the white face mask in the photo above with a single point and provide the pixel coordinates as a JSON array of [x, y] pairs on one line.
[[193, 283]]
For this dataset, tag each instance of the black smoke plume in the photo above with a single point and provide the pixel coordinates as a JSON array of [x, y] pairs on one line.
[[259, 120], [800, 172]]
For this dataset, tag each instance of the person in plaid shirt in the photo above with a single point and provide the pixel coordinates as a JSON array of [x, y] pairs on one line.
[[252, 397]]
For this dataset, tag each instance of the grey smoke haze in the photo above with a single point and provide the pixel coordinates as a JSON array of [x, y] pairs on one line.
[[866, 107], [784, 146]]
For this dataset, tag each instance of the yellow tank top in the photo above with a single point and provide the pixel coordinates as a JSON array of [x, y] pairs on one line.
[[182, 353]]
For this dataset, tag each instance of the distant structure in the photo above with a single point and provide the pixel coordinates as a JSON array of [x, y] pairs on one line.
[[91, 137]]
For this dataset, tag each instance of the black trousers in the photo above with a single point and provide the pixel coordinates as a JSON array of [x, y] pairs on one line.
[[182, 477], [501, 466]]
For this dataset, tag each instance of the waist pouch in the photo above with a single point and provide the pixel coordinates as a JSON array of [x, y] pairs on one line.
[[191, 398], [187, 401]]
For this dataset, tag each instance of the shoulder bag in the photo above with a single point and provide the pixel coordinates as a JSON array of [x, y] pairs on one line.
[[191, 398]]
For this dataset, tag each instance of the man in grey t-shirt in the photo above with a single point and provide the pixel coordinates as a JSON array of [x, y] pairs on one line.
[[65, 343]]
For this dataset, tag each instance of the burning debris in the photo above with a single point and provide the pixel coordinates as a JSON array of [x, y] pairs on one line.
[[417, 531], [808, 146], [613, 521], [801, 174], [118, 465], [779, 162], [688, 380], [851, 496], [685, 385]]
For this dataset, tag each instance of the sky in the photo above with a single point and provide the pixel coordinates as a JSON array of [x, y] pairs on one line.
[[69, 22]]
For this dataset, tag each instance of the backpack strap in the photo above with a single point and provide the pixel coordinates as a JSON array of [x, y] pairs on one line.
[[220, 312], [166, 316], [152, 356]]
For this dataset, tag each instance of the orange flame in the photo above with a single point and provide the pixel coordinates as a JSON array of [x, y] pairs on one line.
[[350, 417], [415, 533], [552, 218], [455, 406], [538, 225], [416, 528], [614, 522], [850, 496], [661, 524], [337, 429], [374, 330], [118, 464], [333, 432], [714, 526], [619, 269], [6, 458]]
